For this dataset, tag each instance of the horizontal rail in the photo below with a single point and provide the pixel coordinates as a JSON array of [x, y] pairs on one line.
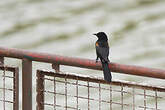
[[97, 80], [83, 63]]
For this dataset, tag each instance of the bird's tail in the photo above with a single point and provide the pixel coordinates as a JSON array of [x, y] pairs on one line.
[[106, 71]]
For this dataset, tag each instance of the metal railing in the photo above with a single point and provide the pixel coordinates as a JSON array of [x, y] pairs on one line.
[[74, 92], [9, 94], [27, 57], [79, 62]]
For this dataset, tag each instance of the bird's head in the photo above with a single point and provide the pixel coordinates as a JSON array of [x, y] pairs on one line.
[[101, 36]]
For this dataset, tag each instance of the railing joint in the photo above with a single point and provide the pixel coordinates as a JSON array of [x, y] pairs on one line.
[[1, 60], [56, 67]]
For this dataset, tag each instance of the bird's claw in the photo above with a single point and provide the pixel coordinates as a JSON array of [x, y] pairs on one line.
[[96, 61]]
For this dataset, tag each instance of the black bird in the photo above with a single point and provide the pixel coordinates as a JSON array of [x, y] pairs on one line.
[[102, 52]]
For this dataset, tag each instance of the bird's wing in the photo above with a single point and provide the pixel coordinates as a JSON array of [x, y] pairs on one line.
[[103, 53]]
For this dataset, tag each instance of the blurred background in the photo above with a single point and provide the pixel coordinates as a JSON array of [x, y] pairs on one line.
[[136, 30]]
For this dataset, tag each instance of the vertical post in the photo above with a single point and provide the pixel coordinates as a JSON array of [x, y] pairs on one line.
[[40, 91], [99, 96], [88, 95], [65, 93], [122, 106], [16, 89], [1, 60], [133, 93], [110, 97], [56, 67], [77, 92], [26, 84], [55, 93], [156, 99], [144, 99], [4, 86]]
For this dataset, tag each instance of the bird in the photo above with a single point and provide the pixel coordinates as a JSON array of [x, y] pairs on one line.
[[102, 53]]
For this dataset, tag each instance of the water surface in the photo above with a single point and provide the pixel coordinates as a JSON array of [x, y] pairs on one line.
[[136, 31]]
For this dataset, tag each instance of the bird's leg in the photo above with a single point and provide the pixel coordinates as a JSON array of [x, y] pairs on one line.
[[97, 59], [108, 61]]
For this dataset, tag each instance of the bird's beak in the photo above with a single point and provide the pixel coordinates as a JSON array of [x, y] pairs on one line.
[[95, 34]]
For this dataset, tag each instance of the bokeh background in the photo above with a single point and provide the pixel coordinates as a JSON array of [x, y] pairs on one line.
[[136, 30]]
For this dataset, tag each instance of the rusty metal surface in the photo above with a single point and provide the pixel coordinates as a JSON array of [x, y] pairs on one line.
[[76, 92], [16, 88], [40, 91], [83, 63], [9, 93], [26, 84]]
